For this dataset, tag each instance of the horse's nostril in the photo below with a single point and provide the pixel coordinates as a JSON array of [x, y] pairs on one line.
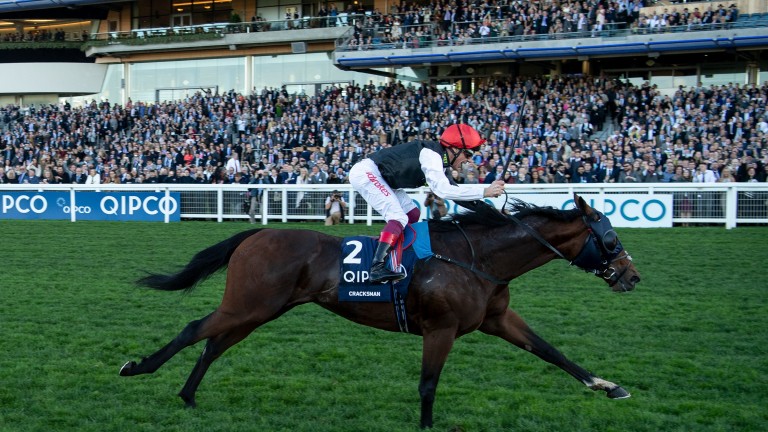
[[635, 279]]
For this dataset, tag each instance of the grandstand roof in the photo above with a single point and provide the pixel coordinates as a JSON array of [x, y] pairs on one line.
[[46, 7]]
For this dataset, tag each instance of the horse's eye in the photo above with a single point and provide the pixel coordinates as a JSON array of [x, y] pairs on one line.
[[610, 240]]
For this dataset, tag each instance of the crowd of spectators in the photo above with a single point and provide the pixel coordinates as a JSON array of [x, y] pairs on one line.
[[442, 22], [465, 22], [715, 133], [459, 22], [43, 35]]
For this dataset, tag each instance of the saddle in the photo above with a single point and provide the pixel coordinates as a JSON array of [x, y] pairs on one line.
[[357, 254]]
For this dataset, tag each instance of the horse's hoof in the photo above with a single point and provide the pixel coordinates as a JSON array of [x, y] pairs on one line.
[[189, 402], [618, 393], [127, 368]]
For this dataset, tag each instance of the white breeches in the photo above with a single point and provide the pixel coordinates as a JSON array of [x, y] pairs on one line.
[[392, 204]]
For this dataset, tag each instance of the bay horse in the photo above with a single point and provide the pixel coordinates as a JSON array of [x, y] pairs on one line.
[[462, 289]]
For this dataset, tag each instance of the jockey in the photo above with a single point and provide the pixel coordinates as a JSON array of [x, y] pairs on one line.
[[381, 177]]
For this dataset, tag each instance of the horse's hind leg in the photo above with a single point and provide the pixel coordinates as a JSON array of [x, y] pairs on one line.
[[213, 350], [151, 363], [193, 333], [510, 327]]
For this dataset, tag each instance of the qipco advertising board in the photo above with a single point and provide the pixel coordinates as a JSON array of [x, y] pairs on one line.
[[625, 210], [103, 206]]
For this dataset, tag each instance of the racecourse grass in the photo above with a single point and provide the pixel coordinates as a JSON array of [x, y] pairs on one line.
[[689, 343]]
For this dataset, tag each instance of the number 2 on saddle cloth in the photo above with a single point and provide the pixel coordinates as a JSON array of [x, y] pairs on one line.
[[357, 252]]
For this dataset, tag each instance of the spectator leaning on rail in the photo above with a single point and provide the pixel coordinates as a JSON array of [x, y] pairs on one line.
[[380, 179]]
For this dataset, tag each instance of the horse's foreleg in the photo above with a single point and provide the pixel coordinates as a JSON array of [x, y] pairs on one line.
[[436, 346], [189, 336], [510, 327], [213, 350]]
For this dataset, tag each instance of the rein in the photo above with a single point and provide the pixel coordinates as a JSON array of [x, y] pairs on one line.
[[471, 267], [583, 260], [537, 236]]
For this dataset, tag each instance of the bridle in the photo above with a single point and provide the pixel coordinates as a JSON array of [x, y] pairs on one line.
[[601, 250]]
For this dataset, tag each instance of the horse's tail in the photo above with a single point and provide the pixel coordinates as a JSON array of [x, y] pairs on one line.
[[204, 264]]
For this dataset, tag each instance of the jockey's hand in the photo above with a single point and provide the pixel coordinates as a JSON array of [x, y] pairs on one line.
[[495, 189]]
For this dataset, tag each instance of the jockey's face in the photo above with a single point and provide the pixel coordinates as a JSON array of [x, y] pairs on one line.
[[460, 157]]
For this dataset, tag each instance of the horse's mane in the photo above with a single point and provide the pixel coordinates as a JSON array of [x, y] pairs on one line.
[[486, 215]]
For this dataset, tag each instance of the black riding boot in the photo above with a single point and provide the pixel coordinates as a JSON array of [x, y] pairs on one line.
[[380, 273]]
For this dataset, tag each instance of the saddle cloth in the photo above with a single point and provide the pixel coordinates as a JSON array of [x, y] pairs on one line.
[[357, 254]]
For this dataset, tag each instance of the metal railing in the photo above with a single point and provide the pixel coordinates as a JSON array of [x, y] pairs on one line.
[[187, 33], [728, 204], [608, 30]]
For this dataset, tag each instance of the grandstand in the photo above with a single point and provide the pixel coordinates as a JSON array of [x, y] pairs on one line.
[[168, 91], [112, 50]]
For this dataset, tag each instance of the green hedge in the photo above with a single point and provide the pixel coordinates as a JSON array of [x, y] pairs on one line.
[[41, 45], [147, 40]]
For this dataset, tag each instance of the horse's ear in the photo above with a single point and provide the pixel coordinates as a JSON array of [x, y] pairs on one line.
[[585, 208]]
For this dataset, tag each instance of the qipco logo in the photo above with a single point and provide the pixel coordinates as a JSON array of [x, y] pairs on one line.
[[24, 204], [652, 210], [131, 204], [62, 203]]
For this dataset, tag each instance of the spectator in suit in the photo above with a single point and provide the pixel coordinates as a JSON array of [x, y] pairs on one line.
[[61, 176], [650, 175], [523, 177], [93, 177], [255, 195], [170, 178], [11, 177], [288, 176], [590, 172], [274, 177], [628, 175], [22, 176], [543, 24], [704, 174], [581, 176], [79, 177], [705, 201], [234, 163], [185, 177], [670, 172], [609, 173], [317, 176], [561, 174]]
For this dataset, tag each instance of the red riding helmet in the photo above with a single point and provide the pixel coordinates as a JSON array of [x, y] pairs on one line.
[[461, 136]]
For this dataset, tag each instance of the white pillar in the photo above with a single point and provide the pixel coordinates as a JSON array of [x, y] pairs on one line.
[[248, 75], [126, 80]]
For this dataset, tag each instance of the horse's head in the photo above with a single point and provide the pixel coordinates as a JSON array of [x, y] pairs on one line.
[[602, 253]]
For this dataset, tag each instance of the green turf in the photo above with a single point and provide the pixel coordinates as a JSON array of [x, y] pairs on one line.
[[689, 343]]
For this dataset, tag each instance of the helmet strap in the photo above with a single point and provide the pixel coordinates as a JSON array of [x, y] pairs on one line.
[[453, 154]]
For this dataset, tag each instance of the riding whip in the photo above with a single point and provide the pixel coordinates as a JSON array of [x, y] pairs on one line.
[[514, 141]]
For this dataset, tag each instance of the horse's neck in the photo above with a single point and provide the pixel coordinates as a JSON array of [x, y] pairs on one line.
[[517, 251]]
